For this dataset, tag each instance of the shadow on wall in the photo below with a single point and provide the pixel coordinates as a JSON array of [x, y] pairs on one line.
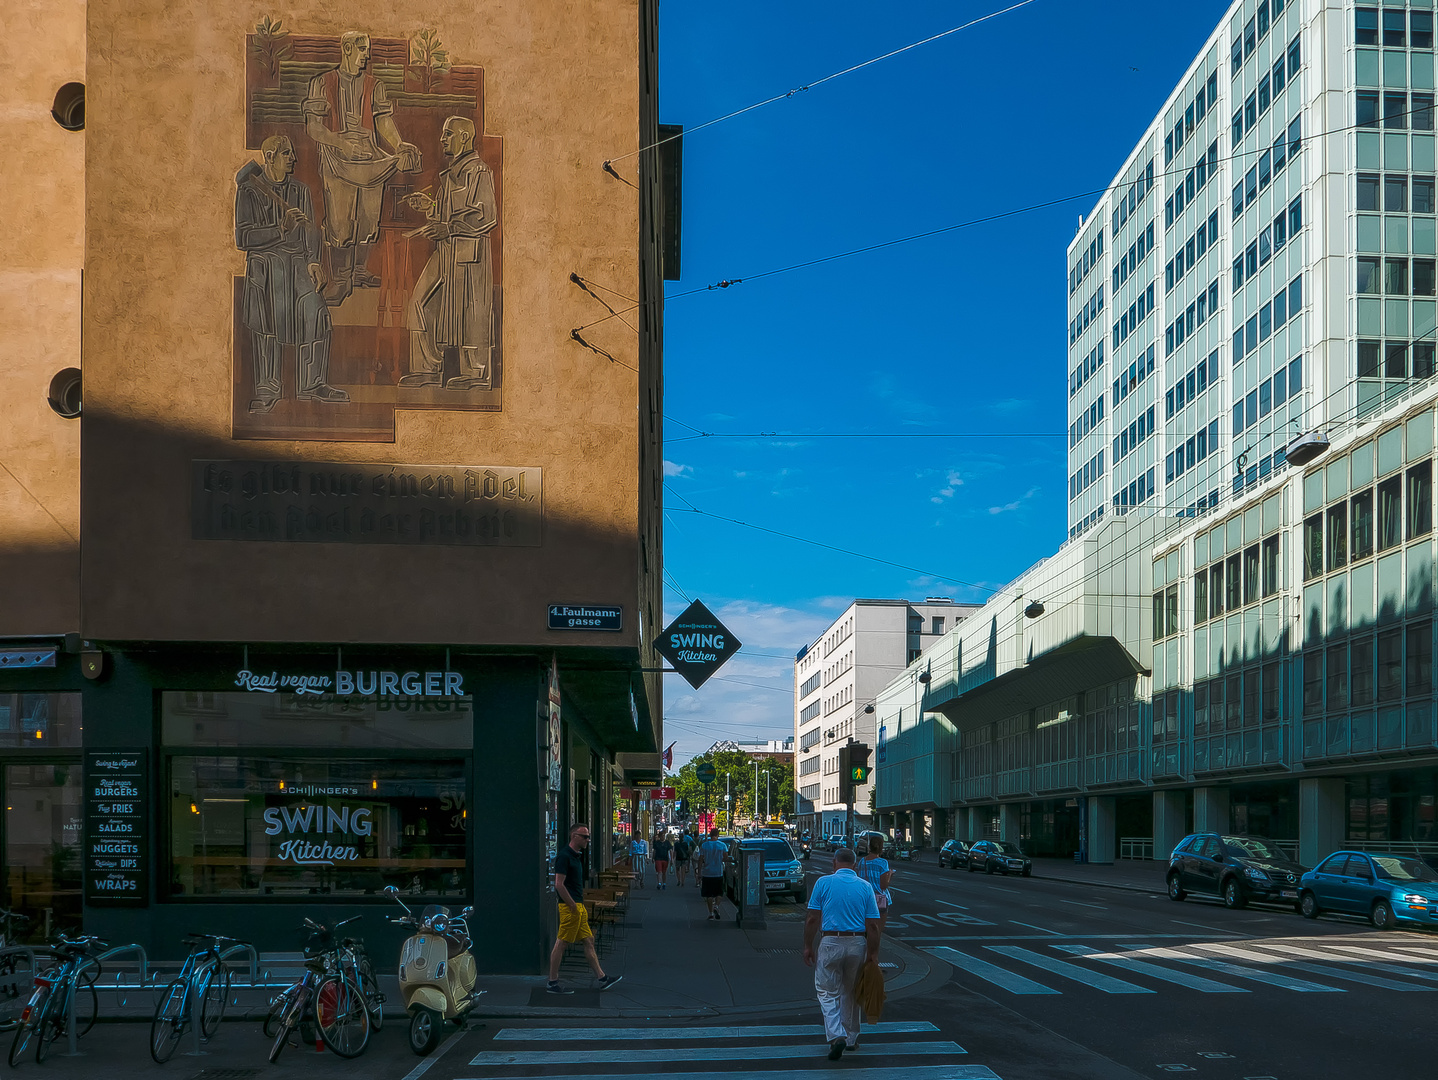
[[145, 576]]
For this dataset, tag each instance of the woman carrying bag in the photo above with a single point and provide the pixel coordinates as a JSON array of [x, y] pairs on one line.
[[874, 869]]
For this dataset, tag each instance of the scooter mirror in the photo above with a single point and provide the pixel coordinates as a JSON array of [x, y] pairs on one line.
[[390, 890], [466, 913]]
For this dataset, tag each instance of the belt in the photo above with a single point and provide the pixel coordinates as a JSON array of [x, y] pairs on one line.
[[844, 933]]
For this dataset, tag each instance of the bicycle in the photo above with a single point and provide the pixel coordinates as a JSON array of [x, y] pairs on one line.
[[14, 978], [48, 1014], [205, 975], [327, 996]]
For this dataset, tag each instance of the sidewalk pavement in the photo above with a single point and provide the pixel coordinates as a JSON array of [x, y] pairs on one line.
[[677, 963], [1138, 875]]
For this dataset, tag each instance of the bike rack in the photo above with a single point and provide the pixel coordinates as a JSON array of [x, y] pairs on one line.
[[72, 1038]]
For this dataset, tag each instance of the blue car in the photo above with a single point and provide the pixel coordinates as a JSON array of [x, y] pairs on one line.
[[1390, 890]]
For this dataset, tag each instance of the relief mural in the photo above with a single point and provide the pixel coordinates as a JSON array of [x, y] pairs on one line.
[[370, 223]]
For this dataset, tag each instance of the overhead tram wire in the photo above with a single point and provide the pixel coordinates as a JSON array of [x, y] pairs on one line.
[[1045, 205], [609, 162]]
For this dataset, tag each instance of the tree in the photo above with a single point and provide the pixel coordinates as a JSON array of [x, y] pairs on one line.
[[428, 59], [270, 46], [748, 802]]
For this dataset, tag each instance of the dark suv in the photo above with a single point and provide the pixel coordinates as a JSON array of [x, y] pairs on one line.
[[1236, 868], [954, 853]]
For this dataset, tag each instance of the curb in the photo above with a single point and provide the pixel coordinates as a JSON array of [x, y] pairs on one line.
[[1160, 891]]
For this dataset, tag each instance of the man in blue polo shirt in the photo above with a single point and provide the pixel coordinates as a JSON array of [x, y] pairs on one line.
[[843, 910]]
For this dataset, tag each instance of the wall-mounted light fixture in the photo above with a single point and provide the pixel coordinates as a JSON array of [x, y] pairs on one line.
[[1034, 609]]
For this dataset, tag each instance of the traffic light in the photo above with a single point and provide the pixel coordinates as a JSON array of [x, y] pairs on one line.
[[846, 787], [858, 763]]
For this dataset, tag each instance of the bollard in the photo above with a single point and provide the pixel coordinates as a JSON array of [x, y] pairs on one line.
[[196, 1011], [72, 1037]]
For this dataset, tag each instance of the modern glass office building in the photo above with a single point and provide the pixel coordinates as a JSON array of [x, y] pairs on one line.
[[1228, 640]]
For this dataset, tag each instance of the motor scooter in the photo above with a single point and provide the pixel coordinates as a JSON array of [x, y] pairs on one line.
[[436, 972], [806, 848]]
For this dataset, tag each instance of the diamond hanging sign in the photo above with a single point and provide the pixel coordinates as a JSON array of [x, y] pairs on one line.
[[697, 644]]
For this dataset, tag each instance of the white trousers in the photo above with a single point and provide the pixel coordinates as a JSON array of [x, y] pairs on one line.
[[836, 971]]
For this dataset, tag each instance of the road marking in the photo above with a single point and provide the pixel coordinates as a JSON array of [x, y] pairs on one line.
[[1153, 971], [895, 888], [946, 903], [1099, 981], [1332, 969], [1080, 903], [1200, 925], [1034, 937], [1031, 926], [1302, 986], [925, 1072], [655, 1034], [424, 1066], [957, 917], [1000, 977], [1369, 955], [633, 1054]]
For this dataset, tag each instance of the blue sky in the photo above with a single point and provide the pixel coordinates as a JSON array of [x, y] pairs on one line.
[[964, 331]]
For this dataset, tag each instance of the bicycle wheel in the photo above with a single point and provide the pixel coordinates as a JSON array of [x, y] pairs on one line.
[[216, 995], [25, 1033], [289, 1019], [343, 1016], [374, 1000], [168, 1026], [52, 1023], [87, 1008], [277, 1012]]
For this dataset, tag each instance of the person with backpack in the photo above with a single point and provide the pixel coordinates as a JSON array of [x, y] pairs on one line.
[[682, 850]]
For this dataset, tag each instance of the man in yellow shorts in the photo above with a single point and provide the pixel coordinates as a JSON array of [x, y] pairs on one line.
[[573, 919]]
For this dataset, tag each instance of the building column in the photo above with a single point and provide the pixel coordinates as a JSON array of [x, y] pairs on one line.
[[943, 826], [1102, 826], [1009, 822], [1210, 810], [1321, 818], [1169, 824]]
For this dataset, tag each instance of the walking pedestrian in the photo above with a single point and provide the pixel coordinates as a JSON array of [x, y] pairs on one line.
[[711, 870], [638, 857], [573, 918], [844, 916], [681, 857], [874, 869], [663, 847]]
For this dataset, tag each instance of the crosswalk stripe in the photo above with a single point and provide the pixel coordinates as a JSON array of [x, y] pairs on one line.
[[768, 1031], [1382, 954], [1099, 981], [732, 1052], [1153, 971], [1000, 977], [1272, 978], [1375, 965], [1331, 972], [926, 1072]]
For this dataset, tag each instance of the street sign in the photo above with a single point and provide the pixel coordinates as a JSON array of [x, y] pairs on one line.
[[706, 773], [697, 644], [662, 793], [585, 617]]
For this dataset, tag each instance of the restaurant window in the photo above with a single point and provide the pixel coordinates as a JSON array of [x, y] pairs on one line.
[[40, 721], [306, 796], [1362, 525]]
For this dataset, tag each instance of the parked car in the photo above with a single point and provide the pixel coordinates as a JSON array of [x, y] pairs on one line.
[[1236, 868], [954, 853], [1391, 890], [783, 872], [1001, 856], [861, 843]]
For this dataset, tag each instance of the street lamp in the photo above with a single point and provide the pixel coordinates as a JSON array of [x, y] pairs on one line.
[[768, 791]]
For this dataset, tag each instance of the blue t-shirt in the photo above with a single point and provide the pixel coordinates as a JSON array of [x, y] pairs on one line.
[[873, 871], [845, 899], [711, 858]]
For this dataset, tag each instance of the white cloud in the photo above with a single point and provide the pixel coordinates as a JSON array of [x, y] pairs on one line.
[[955, 481], [673, 469], [1008, 507]]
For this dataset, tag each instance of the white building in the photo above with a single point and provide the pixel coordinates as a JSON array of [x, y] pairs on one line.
[[1228, 641], [840, 674]]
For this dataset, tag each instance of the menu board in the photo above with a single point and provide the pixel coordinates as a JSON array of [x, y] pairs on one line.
[[117, 853]]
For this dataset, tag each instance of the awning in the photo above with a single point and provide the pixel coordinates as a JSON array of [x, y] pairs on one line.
[[1081, 664]]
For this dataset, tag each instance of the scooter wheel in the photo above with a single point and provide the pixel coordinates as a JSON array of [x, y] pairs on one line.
[[424, 1031]]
